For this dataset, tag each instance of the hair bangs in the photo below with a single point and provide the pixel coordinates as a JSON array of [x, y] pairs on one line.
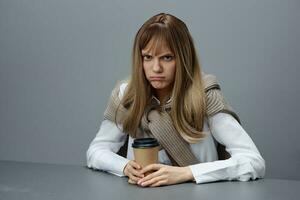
[[154, 37]]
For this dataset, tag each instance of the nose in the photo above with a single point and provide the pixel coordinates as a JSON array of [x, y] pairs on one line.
[[156, 66]]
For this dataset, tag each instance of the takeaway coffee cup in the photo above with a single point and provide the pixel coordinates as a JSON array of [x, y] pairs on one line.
[[145, 151]]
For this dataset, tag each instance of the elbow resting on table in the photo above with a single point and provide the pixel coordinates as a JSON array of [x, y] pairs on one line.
[[259, 166], [90, 157], [256, 169]]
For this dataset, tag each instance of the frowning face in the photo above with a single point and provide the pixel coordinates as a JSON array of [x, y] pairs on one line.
[[159, 67]]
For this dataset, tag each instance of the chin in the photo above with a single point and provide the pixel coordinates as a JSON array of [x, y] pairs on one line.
[[158, 86]]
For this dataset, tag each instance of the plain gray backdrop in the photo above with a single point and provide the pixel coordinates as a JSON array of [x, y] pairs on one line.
[[60, 59]]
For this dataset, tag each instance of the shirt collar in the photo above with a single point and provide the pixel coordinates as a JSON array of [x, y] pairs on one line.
[[157, 100]]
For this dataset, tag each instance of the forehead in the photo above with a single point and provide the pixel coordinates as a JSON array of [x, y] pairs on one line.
[[156, 47]]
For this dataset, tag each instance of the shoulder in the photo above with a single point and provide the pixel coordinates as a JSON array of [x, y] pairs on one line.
[[210, 81], [119, 89], [122, 88]]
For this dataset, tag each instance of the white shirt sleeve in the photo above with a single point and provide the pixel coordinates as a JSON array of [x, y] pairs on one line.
[[245, 162], [101, 153]]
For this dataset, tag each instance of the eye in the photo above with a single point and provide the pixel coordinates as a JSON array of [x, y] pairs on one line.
[[147, 57], [168, 58]]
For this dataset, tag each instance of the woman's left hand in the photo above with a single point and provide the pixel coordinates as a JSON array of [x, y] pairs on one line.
[[164, 175]]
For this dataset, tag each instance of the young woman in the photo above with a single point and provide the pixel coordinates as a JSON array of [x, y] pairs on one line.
[[169, 98]]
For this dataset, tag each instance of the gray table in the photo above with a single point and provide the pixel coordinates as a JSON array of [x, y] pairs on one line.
[[20, 180]]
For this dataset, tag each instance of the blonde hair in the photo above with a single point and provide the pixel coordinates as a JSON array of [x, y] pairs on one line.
[[188, 100]]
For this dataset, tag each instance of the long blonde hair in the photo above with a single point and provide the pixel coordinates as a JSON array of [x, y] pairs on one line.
[[188, 108]]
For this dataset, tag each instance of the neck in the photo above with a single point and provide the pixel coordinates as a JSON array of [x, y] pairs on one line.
[[162, 95]]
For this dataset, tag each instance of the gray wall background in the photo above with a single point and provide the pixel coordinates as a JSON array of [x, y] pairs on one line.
[[60, 59]]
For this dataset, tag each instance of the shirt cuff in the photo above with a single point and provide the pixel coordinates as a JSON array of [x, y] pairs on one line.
[[109, 162], [119, 166], [210, 171]]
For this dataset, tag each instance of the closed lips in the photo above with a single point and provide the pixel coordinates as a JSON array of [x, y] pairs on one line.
[[156, 78]]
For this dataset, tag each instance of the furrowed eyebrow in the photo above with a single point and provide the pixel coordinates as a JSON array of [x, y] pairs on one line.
[[166, 54]]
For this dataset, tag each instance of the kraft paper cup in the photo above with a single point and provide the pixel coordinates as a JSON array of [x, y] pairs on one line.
[[145, 151]]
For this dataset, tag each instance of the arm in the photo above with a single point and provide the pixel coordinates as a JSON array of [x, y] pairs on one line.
[[245, 163], [101, 153]]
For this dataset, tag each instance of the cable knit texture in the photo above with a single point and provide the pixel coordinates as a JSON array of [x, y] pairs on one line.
[[158, 123]]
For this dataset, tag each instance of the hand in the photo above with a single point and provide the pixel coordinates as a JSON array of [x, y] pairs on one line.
[[132, 170], [164, 175]]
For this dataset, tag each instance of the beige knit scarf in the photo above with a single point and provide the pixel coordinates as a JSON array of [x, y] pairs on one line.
[[158, 123]]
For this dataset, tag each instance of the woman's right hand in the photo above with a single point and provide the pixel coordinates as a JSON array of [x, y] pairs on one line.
[[132, 170]]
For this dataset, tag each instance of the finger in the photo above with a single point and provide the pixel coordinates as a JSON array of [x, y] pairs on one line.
[[137, 173], [151, 167], [159, 183], [128, 167], [153, 181], [131, 181], [135, 165], [134, 178], [150, 176]]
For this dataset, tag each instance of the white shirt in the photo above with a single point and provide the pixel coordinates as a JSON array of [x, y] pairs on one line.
[[244, 164]]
